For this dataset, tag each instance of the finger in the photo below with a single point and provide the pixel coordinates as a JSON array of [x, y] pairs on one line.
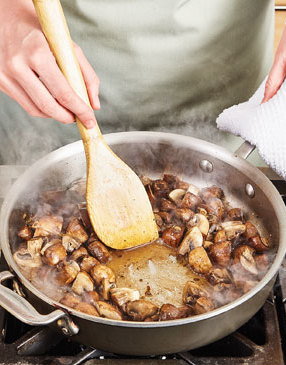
[[16, 92], [42, 97], [53, 79], [90, 78], [275, 80]]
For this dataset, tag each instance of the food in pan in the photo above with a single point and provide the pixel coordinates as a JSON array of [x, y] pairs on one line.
[[208, 254]]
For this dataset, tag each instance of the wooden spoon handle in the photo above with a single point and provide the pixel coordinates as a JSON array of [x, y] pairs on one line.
[[54, 26]]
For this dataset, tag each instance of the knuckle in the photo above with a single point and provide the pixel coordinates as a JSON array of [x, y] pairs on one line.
[[13, 64], [66, 98], [45, 107]]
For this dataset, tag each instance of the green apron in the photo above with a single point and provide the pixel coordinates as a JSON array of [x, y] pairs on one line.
[[164, 65]]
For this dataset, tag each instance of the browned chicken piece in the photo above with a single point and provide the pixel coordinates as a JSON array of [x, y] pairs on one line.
[[86, 308], [192, 239], [184, 214], [141, 309], [79, 254], [34, 245], [24, 259], [88, 263], [172, 236], [166, 216], [211, 192], [48, 225], [192, 291], [67, 272], [99, 251], [25, 233], [121, 296], [54, 253], [259, 244], [199, 261], [244, 260], [166, 205], [107, 310], [220, 253], [90, 297], [250, 230], [203, 305], [82, 283], [70, 300], [160, 188], [104, 278], [235, 214], [70, 243], [171, 180], [190, 201], [76, 230], [169, 312], [220, 236]]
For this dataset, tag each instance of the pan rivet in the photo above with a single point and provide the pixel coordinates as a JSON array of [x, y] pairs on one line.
[[206, 165], [249, 189]]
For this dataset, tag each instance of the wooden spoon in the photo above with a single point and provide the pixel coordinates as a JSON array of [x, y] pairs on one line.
[[117, 203]]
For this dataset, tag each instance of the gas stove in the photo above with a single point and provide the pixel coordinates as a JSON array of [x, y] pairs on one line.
[[262, 340]]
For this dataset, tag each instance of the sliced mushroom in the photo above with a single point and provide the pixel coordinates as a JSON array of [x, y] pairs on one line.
[[258, 244], [184, 214], [24, 259], [121, 296], [250, 230], [169, 312], [107, 310], [25, 233], [70, 300], [202, 223], [90, 297], [86, 308], [67, 272], [48, 225], [166, 205], [177, 195], [192, 239], [99, 251], [54, 253], [233, 229], [88, 263], [70, 243], [76, 230], [235, 214], [192, 291], [221, 253], [34, 245], [82, 283], [172, 236], [243, 256], [79, 254], [193, 189], [190, 201], [219, 276], [199, 260], [104, 278], [203, 305], [140, 309]]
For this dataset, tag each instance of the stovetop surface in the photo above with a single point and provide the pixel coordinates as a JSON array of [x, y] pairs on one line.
[[260, 341]]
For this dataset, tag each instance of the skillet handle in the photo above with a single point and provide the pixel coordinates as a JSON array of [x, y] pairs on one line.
[[20, 308], [244, 150]]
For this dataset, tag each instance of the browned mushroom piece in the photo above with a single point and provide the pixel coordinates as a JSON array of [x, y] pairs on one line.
[[90, 297], [182, 185], [166, 216], [220, 253], [70, 243], [190, 201], [76, 230], [104, 278], [25, 233], [34, 245], [172, 236], [258, 244], [243, 258], [121, 296], [79, 254], [107, 310], [211, 192], [27, 261], [250, 230], [86, 308], [166, 205], [160, 188], [184, 214], [48, 225], [84, 215], [192, 239], [54, 253], [82, 283], [199, 260], [88, 263], [233, 229], [215, 209], [219, 276], [235, 214], [220, 236], [70, 300], [67, 272], [145, 180], [169, 312], [139, 310], [203, 305], [192, 291], [177, 195], [171, 180], [159, 221], [207, 244], [99, 251]]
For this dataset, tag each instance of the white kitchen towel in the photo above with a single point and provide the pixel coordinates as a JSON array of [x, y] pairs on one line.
[[263, 125]]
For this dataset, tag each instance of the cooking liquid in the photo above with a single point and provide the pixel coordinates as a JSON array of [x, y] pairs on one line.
[[154, 270]]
